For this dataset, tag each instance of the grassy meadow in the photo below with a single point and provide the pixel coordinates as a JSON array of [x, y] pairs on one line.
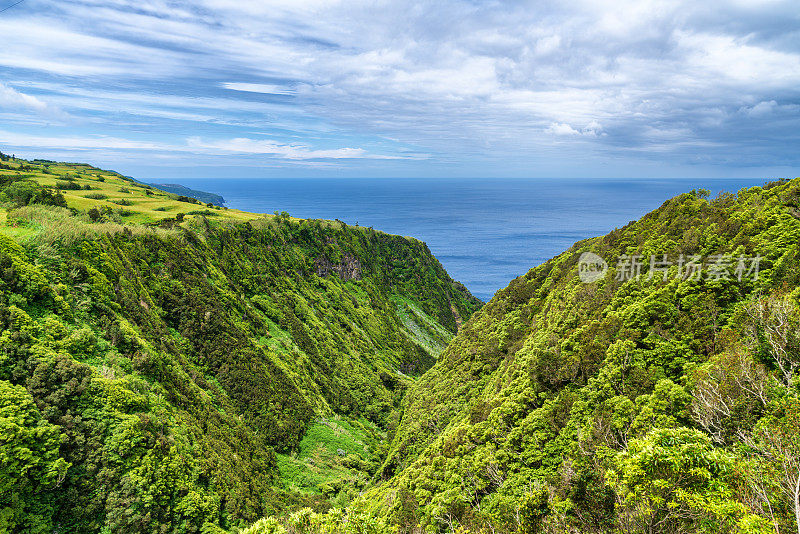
[[85, 187]]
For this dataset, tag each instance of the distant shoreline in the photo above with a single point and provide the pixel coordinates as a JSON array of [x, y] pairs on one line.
[[178, 189]]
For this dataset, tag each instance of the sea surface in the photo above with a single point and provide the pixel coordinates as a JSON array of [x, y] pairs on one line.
[[485, 232]]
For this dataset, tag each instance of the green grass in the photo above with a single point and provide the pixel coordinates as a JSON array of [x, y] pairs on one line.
[[48, 224], [110, 189], [17, 228], [336, 458], [420, 327], [279, 340]]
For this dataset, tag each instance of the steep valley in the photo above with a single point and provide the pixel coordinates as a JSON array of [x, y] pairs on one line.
[[172, 366]]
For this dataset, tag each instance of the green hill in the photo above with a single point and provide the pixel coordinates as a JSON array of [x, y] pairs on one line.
[[173, 374], [203, 372], [202, 196], [106, 196], [665, 403]]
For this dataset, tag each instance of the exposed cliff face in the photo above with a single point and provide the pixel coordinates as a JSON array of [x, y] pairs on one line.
[[188, 357], [349, 268]]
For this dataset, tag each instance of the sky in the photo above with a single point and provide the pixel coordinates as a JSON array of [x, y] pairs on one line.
[[383, 88]]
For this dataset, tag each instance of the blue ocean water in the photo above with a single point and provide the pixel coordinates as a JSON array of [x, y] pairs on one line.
[[485, 232]]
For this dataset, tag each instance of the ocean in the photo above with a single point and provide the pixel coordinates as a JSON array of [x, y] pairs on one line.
[[485, 232]]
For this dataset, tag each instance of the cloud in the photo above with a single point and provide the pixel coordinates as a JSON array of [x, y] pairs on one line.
[[769, 109], [194, 145], [268, 89], [80, 143], [593, 129], [12, 99], [460, 81], [280, 150]]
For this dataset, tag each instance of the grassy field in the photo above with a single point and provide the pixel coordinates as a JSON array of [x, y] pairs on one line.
[[336, 459], [85, 187]]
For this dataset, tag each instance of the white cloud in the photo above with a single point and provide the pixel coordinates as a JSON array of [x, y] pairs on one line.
[[77, 142], [593, 129], [769, 109], [268, 89], [458, 78], [281, 150], [14, 100], [10, 97], [194, 145]]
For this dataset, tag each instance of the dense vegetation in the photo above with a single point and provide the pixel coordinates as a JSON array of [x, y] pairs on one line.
[[659, 404], [208, 369], [176, 377]]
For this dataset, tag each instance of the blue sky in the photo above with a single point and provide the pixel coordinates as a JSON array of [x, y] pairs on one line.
[[216, 88]]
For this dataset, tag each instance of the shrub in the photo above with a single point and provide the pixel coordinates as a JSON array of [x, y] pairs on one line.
[[267, 525], [205, 213], [94, 214], [59, 225], [68, 186], [26, 192], [97, 196]]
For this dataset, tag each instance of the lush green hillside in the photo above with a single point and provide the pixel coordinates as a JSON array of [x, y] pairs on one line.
[[199, 372], [104, 196], [182, 190], [660, 404], [178, 376]]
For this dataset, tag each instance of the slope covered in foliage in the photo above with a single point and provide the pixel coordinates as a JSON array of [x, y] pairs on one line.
[[665, 403], [166, 379], [106, 196]]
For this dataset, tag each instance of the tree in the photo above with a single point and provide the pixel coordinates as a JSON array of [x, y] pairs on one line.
[[776, 442], [673, 481], [30, 466], [773, 330], [730, 392]]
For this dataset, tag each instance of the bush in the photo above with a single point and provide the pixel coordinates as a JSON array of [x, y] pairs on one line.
[[68, 186], [267, 525], [97, 196], [25, 192], [94, 214]]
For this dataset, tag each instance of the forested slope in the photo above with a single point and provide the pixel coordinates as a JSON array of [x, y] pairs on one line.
[[653, 404], [154, 379]]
